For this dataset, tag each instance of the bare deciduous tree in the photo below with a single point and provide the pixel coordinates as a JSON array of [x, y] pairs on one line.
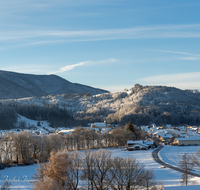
[[127, 174], [196, 158], [77, 137], [7, 145], [121, 136], [186, 165], [148, 179], [96, 169], [21, 143], [75, 168], [37, 147], [52, 143]]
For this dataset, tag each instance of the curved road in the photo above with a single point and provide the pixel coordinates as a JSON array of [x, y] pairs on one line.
[[157, 159]]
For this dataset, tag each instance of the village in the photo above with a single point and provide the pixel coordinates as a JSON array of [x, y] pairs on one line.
[[185, 135], [38, 139]]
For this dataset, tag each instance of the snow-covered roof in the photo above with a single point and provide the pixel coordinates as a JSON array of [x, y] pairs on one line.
[[140, 142], [193, 187], [100, 124], [188, 139], [65, 131]]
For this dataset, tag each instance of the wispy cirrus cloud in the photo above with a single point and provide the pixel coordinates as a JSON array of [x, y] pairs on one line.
[[160, 31], [193, 57], [70, 67], [177, 52], [180, 80], [36, 68], [26, 38]]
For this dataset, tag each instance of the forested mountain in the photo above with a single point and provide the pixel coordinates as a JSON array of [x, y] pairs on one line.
[[141, 105], [16, 85]]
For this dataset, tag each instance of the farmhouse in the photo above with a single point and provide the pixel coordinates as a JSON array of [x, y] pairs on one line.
[[139, 145], [187, 141], [98, 125]]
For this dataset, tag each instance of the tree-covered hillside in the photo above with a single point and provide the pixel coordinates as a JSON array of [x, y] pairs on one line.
[[141, 105]]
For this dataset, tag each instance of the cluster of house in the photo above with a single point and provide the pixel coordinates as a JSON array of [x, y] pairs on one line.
[[181, 135], [44, 128], [177, 136]]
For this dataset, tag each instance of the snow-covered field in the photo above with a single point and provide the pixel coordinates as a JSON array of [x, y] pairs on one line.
[[166, 176], [20, 176], [173, 154]]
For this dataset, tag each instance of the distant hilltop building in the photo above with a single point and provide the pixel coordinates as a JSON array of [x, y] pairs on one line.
[[98, 125]]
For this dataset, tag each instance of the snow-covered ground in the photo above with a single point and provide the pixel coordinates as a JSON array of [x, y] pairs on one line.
[[166, 176], [173, 154], [20, 176], [44, 125], [31, 125]]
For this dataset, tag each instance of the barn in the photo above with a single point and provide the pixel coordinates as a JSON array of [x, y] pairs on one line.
[[187, 141]]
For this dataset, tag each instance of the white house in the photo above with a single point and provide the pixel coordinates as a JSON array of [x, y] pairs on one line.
[[139, 145], [100, 124]]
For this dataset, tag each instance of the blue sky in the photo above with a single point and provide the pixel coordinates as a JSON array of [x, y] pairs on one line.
[[109, 44]]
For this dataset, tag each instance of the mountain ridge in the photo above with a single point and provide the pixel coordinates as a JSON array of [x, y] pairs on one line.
[[15, 85]]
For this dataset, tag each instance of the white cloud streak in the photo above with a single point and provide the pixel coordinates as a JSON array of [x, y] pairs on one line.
[[177, 52], [161, 31], [36, 68], [69, 67], [89, 63], [193, 57], [180, 80]]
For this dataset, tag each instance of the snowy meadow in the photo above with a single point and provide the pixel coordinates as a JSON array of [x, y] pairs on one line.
[[20, 176]]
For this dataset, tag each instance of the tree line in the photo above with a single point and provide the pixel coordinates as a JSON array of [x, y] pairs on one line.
[[56, 116], [25, 147]]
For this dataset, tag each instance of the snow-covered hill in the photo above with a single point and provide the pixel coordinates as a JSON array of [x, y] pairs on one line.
[[141, 105]]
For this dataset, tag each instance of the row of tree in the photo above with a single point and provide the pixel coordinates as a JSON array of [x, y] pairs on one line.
[[25, 147], [95, 170], [161, 118]]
